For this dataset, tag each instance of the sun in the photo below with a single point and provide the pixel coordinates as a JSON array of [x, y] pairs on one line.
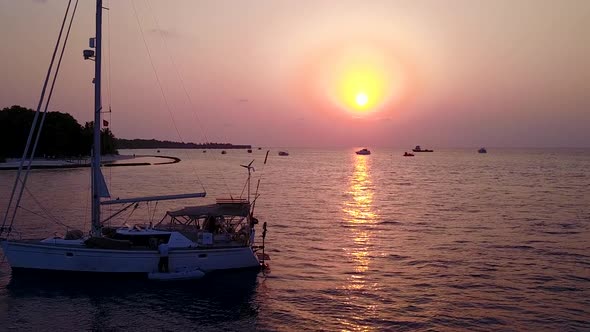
[[360, 88], [361, 99]]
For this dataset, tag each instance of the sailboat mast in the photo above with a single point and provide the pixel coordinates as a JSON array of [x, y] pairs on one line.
[[95, 183]]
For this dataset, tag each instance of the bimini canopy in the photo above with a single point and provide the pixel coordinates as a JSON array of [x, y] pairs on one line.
[[215, 210]]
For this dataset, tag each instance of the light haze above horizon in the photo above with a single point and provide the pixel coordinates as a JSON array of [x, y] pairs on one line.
[[316, 73]]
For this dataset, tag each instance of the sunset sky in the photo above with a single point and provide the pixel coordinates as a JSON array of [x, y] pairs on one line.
[[317, 73]]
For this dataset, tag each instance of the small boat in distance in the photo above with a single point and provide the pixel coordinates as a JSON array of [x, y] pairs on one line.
[[419, 149], [223, 152], [408, 154], [482, 150], [364, 151], [249, 150], [283, 153]]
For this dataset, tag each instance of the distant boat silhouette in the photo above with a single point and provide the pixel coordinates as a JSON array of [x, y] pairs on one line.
[[408, 154], [249, 150], [223, 152], [283, 153], [482, 150], [363, 152], [419, 149]]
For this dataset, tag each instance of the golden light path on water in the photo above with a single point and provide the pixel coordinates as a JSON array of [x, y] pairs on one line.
[[360, 215]]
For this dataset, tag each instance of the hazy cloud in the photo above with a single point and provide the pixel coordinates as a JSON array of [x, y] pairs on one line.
[[165, 33]]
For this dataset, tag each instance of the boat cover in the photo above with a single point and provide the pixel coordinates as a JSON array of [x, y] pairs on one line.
[[212, 210]]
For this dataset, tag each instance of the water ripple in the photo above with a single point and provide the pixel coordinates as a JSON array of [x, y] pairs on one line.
[[448, 241]]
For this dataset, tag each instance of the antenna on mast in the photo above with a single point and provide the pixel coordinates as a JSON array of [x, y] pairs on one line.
[[250, 170], [258, 184]]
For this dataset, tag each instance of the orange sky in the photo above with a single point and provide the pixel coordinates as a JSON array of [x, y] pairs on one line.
[[286, 73]]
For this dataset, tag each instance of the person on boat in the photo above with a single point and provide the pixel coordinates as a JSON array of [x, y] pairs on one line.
[[210, 225], [163, 263]]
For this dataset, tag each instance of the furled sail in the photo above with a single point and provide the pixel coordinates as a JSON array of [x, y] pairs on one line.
[[103, 190]]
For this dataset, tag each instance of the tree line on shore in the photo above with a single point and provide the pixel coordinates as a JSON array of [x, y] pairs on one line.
[[61, 137], [156, 144]]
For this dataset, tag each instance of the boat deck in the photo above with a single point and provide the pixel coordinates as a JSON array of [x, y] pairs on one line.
[[227, 245]]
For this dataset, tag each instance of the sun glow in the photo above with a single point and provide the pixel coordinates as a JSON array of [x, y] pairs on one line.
[[364, 80], [361, 88], [361, 99]]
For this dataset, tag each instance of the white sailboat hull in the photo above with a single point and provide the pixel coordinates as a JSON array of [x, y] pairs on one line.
[[76, 258]]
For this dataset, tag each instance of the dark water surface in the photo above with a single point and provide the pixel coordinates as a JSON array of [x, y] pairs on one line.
[[450, 240]]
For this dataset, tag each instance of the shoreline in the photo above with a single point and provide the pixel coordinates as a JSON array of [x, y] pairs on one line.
[[108, 161]]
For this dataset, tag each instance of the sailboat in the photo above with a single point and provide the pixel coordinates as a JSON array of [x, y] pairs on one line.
[[201, 239]]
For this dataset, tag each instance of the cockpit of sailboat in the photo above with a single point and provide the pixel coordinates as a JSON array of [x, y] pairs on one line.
[[227, 223]]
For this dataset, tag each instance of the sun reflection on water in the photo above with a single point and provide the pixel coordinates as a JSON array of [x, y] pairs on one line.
[[360, 209], [359, 216]]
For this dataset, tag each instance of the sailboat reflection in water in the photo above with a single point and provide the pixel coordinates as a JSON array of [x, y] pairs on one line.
[[201, 239]]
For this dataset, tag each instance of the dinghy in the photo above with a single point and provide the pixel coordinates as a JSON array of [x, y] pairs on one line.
[[177, 275]]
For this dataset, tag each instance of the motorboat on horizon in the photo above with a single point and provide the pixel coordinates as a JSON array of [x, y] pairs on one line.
[[419, 149], [364, 151], [482, 150]]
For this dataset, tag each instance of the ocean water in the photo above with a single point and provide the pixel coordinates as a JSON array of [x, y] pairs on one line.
[[445, 241]]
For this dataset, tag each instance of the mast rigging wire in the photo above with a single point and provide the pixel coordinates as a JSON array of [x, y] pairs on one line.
[[109, 86], [55, 75], [154, 69], [188, 97], [33, 127], [167, 104]]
